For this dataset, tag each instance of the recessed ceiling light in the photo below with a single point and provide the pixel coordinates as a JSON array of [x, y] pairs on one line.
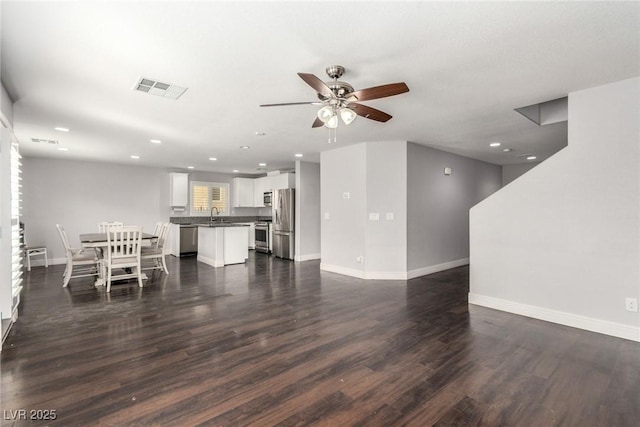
[[494, 144], [506, 150], [61, 129], [213, 159], [531, 157], [262, 164], [155, 141], [298, 155], [63, 149], [236, 171], [135, 157], [189, 167], [245, 147]]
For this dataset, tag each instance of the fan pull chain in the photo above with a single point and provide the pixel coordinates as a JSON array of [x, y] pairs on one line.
[[334, 132]]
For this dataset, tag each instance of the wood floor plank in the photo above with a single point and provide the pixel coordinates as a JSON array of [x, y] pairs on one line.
[[273, 342]]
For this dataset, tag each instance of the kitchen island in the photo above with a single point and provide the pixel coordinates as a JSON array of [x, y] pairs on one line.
[[221, 244]]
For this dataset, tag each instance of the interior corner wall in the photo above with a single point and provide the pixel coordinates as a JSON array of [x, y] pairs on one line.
[[438, 206], [6, 107], [562, 242], [343, 206], [386, 210], [307, 221]]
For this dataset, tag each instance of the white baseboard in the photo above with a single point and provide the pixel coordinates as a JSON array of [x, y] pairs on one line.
[[342, 270], [307, 257], [393, 275], [605, 327], [436, 268], [210, 261]]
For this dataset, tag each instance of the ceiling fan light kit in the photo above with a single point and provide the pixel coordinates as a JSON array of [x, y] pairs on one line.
[[339, 99]]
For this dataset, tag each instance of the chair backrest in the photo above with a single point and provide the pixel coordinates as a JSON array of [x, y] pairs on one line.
[[64, 238], [157, 229], [124, 242], [104, 226], [162, 235]]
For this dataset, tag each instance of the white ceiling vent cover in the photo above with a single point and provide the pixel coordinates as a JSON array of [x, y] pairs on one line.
[[44, 141], [154, 87]]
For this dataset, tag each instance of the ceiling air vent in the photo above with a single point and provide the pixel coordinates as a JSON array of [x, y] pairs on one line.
[[154, 87], [44, 141]]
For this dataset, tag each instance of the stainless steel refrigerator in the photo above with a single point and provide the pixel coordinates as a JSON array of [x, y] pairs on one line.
[[283, 210]]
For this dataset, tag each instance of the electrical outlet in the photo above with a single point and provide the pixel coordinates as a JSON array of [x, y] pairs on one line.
[[631, 304], [360, 259]]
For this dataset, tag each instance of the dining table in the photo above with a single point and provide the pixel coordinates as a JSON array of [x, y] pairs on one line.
[[99, 241]]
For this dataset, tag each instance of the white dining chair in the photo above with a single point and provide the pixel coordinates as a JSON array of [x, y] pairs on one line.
[[80, 262], [34, 251], [156, 252], [104, 226], [123, 254]]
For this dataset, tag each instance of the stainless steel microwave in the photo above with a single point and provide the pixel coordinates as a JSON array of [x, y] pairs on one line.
[[267, 198]]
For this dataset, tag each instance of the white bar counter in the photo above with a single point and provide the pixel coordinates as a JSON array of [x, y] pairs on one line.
[[223, 244]]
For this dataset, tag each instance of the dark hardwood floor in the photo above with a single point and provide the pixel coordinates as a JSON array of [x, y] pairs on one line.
[[278, 343]]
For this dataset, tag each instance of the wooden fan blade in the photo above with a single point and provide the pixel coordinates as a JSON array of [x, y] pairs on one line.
[[317, 123], [291, 103], [370, 113], [378, 92], [318, 85]]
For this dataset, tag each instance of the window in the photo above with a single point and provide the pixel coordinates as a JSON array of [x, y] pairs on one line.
[[206, 196]]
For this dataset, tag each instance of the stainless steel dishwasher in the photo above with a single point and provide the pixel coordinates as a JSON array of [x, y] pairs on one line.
[[188, 240]]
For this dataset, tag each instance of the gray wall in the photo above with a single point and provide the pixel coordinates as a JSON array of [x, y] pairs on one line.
[[307, 211], [6, 107], [386, 182], [561, 242], [343, 171], [79, 194], [438, 205], [512, 172]]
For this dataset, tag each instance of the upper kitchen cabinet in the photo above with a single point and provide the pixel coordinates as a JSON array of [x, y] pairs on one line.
[[243, 195], [283, 180], [259, 187], [179, 190]]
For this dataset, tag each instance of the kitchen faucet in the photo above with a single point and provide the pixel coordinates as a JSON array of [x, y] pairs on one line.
[[217, 213]]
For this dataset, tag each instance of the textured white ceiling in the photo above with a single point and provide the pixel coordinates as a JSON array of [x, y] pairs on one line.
[[468, 65]]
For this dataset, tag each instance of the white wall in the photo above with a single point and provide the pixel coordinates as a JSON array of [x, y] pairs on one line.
[[343, 170], [438, 206], [562, 242], [307, 221]]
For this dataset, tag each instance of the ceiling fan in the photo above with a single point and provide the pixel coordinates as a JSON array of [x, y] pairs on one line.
[[340, 99]]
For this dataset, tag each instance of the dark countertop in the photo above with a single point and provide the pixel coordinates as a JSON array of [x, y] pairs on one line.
[[221, 224]]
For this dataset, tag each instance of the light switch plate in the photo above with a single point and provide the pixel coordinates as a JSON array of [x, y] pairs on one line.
[[390, 216], [374, 216], [326, 215], [346, 195]]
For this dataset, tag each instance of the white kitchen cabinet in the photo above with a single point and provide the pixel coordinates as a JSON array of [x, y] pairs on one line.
[[179, 189], [283, 180], [252, 234], [259, 187], [173, 240], [243, 196]]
